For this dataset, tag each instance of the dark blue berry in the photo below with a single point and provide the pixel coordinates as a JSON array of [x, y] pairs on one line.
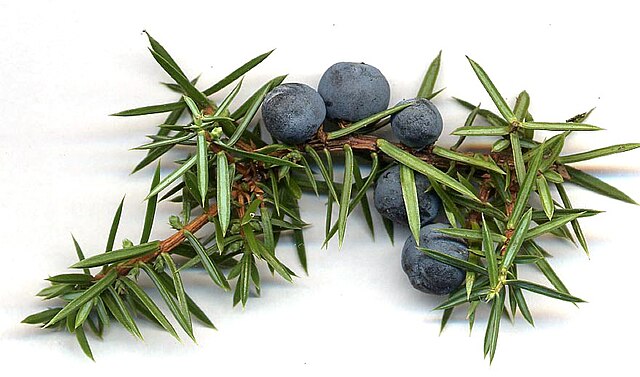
[[427, 274], [292, 113], [418, 125], [353, 91], [388, 200]]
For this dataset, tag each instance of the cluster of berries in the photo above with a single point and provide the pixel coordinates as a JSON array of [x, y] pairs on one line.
[[293, 113]]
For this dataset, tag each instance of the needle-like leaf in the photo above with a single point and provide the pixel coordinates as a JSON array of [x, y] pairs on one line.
[[134, 289], [364, 201], [487, 164], [451, 210], [489, 251], [267, 229], [259, 249], [420, 166], [577, 229], [241, 293], [101, 310], [178, 285], [482, 207], [173, 87], [389, 229], [596, 185], [118, 255], [471, 314], [242, 109], [298, 240], [555, 223], [153, 155], [541, 289], [471, 234], [180, 79], [496, 97], [258, 156], [553, 177], [223, 191], [193, 308], [470, 276], [600, 152], [253, 109], [516, 297], [360, 194], [410, 196], [429, 80], [85, 297], [153, 109], [545, 196], [83, 313], [567, 126], [81, 337], [166, 181], [41, 317], [500, 145], [522, 106], [323, 171], [71, 279], [160, 50], [309, 174], [543, 265], [478, 292], [224, 105], [202, 164], [151, 208], [481, 131], [552, 147], [168, 142], [114, 227], [79, 253], [467, 123], [212, 269], [196, 114], [167, 296], [493, 326], [453, 261], [120, 312], [345, 198], [516, 240], [540, 216], [466, 183], [446, 315], [518, 161], [492, 118], [525, 189], [236, 74], [366, 121]]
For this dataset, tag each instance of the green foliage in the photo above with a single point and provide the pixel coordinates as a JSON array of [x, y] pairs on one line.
[[366, 121], [487, 199], [410, 196], [429, 80], [345, 197]]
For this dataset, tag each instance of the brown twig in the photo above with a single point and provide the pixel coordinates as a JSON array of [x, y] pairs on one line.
[[484, 195], [166, 245], [368, 143]]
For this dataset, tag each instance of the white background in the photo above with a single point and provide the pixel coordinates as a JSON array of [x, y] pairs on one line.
[[64, 166]]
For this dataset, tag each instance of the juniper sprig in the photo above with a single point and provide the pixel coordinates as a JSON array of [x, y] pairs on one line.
[[248, 189]]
